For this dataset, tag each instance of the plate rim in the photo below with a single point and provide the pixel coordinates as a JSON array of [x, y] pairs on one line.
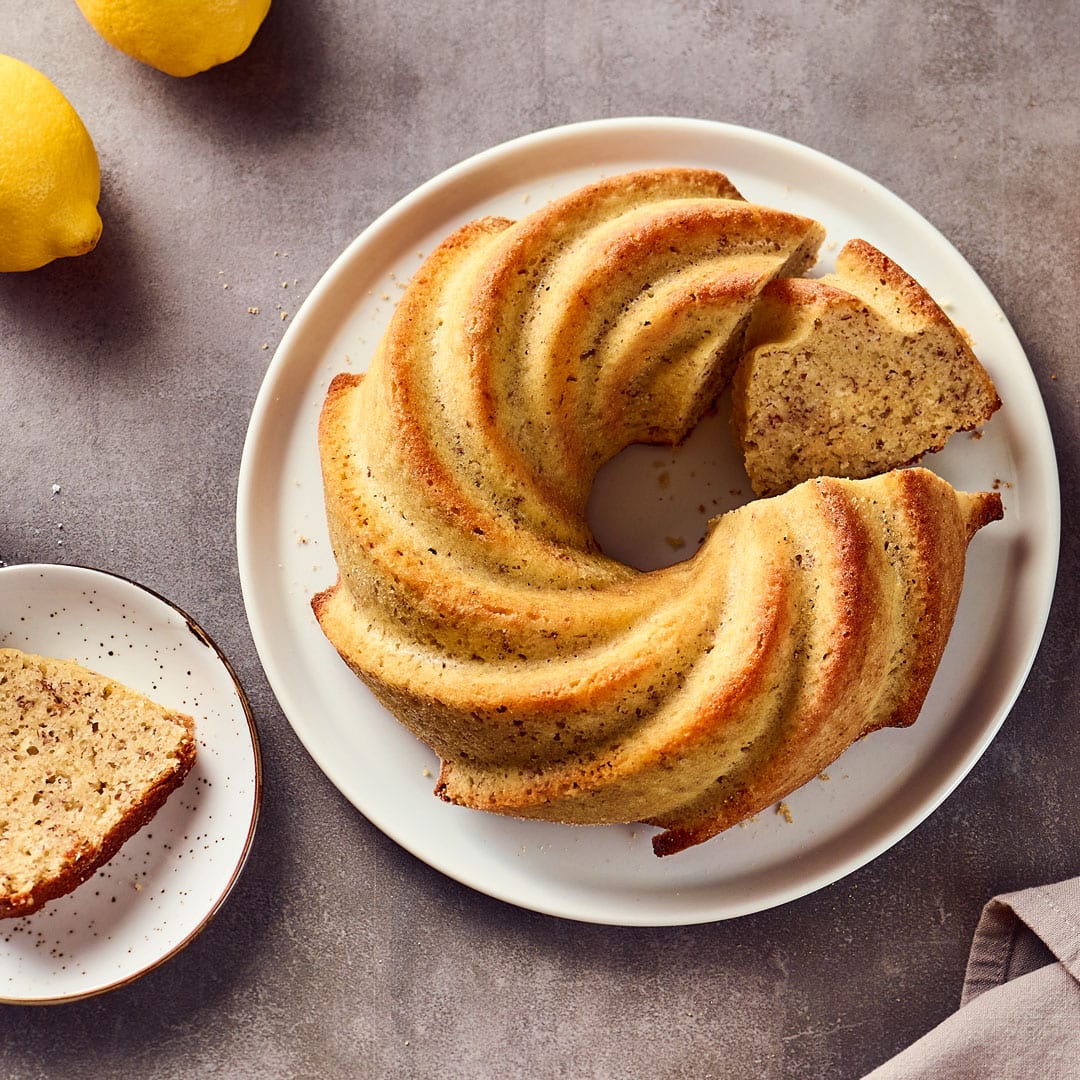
[[660, 126], [257, 791]]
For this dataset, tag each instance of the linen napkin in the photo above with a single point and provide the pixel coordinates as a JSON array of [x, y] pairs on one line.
[[1019, 1012]]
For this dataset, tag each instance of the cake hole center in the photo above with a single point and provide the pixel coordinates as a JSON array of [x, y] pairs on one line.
[[650, 505]]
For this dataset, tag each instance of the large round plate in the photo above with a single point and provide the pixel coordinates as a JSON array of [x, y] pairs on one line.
[[169, 879], [883, 787]]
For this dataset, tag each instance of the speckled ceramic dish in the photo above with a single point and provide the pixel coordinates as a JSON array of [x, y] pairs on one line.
[[169, 879]]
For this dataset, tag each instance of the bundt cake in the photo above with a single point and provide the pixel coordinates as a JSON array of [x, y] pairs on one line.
[[552, 681], [84, 763], [852, 374]]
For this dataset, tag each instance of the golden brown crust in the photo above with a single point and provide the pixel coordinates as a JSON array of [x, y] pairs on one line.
[[861, 261]]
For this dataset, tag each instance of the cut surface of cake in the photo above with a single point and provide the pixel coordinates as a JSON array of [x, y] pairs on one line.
[[85, 762], [852, 374], [554, 682]]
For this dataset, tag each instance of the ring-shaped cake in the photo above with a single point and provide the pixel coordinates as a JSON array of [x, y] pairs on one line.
[[553, 681]]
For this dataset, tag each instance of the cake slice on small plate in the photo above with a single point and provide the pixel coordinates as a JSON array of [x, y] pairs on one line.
[[85, 762]]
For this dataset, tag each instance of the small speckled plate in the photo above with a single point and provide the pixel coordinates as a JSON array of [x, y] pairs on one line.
[[168, 880]]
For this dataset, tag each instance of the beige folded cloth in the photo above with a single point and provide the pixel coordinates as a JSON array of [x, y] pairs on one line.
[[1019, 1013]]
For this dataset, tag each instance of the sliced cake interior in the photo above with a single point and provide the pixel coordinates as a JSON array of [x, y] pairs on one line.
[[851, 375], [85, 762]]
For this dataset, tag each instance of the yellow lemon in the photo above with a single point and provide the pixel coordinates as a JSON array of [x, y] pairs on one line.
[[180, 37], [50, 181]]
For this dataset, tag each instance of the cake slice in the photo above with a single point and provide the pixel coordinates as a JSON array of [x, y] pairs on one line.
[[852, 375], [85, 762]]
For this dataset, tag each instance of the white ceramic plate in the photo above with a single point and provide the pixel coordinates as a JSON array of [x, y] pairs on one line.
[[881, 788], [169, 879]]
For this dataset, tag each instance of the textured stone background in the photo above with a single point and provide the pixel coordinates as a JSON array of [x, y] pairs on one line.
[[128, 377]]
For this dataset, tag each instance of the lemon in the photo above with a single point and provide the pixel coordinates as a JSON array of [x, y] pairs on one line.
[[180, 37], [50, 180]]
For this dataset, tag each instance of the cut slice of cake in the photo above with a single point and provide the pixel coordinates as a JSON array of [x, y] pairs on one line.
[[85, 762], [852, 375]]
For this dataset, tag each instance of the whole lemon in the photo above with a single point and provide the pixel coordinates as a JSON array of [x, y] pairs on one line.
[[180, 37], [50, 180]]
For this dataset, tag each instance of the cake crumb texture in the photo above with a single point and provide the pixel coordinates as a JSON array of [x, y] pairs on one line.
[[851, 375], [85, 762]]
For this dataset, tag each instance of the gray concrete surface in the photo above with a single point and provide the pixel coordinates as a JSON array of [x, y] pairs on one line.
[[128, 376]]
